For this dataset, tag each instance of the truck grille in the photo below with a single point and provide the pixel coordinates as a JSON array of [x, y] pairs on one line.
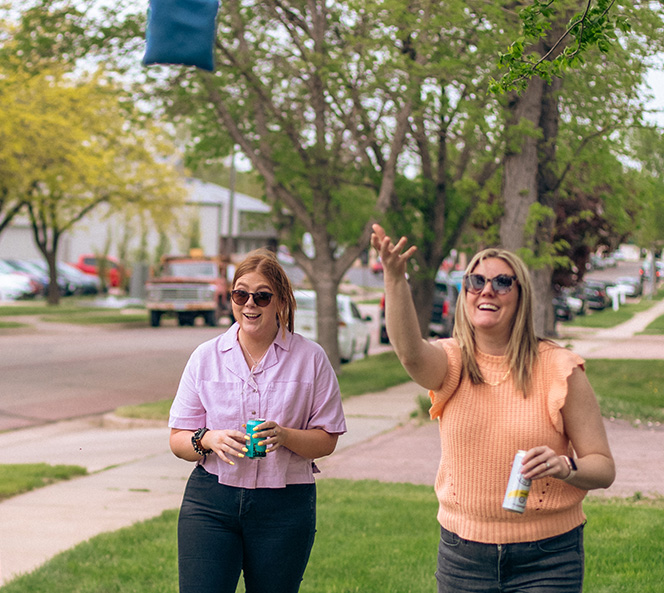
[[181, 293]]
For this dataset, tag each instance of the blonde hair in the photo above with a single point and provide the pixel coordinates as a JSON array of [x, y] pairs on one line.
[[264, 262], [523, 346]]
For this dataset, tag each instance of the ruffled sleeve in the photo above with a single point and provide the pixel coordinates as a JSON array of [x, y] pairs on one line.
[[557, 364], [452, 379]]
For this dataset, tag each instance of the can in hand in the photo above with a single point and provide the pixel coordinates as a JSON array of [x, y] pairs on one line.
[[518, 487], [255, 451]]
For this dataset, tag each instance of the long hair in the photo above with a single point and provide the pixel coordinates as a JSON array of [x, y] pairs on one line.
[[264, 262], [523, 345]]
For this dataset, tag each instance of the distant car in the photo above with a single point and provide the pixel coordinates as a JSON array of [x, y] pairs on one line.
[[645, 270], [65, 287], [632, 285], [456, 276], [578, 305], [354, 332], [80, 282], [444, 307], [38, 276], [89, 264], [594, 293], [15, 286], [377, 267], [562, 309], [441, 323]]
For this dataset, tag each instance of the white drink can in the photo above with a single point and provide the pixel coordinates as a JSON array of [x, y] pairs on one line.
[[518, 487]]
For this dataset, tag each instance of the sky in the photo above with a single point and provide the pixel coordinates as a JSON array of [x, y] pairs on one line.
[[656, 82]]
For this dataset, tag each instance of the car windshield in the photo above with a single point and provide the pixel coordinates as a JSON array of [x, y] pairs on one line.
[[306, 304], [191, 269]]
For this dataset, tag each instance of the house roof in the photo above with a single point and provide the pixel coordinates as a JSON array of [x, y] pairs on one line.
[[211, 194]]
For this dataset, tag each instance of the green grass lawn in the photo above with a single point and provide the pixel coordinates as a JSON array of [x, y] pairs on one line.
[[372, 538], [80, 312], [629, 389], [608, 317], [18, 478]]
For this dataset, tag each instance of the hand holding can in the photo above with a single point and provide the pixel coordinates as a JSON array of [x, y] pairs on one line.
[[518, 487], [255, 451]]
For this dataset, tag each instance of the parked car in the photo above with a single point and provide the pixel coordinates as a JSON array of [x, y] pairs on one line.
[[38, 276], [578, 305], [354, 332], [15, 286], [646, 268], [442, 314], [632, 285], [65, 286], [80, 282], [562, 309], [444, 307], [89, 264], [377, 266], [594, 293]]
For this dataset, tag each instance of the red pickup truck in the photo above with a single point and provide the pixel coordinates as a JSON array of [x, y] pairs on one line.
[[189, 287]]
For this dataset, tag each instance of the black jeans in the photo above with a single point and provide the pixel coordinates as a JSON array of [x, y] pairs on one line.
[[552, 565], [222, 530]]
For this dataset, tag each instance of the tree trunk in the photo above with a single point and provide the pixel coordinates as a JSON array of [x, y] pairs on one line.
[[519, 188], [548, 196], [53, 288]]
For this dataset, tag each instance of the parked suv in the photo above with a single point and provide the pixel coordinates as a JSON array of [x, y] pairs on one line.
[[442, 314]]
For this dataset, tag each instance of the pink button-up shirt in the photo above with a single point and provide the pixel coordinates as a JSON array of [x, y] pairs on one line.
[[293, 385]]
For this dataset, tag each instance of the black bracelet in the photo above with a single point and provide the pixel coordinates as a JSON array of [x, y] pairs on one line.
[[196, 442]]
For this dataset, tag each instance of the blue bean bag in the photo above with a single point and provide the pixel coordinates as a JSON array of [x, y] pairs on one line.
[[181, 32]]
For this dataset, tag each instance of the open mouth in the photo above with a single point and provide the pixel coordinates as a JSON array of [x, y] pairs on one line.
[[487, 307]]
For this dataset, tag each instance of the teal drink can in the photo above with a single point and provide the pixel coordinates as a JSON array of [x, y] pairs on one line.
[[255, 451]]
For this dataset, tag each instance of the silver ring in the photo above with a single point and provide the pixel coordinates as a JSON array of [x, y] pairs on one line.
[[275, 432], [548, 465]]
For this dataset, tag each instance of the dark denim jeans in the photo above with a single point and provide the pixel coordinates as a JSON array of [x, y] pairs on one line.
[[222, 530], [553, 565]]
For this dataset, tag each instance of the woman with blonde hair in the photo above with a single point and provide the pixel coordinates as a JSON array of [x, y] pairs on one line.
[[497, 389]]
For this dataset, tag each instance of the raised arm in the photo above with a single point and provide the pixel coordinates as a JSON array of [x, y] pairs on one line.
[[425, 362]]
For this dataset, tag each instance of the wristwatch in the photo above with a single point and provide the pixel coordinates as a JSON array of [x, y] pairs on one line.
[[572, 467], [196, 442]]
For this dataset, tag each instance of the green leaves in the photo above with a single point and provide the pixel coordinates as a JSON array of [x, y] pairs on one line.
[[542, 50]]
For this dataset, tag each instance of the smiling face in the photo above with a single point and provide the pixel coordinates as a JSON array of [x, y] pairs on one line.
[[491, 313], [257, 324]]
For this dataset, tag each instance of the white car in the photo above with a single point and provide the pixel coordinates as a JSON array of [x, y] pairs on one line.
[[354, 330], [14, 287]]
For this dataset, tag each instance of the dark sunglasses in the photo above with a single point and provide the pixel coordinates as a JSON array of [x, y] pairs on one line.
[[501, 284], [261, 299]]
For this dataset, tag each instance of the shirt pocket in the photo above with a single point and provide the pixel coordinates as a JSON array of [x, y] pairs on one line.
[[223, 404], [289, 403]]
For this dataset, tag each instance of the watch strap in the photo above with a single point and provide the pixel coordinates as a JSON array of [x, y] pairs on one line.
[[571, 464], [196, 442]]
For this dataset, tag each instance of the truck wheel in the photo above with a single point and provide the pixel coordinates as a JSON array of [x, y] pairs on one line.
[[155, 318], [211, 318]]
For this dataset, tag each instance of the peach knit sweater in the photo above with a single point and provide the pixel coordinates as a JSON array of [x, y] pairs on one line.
[[481, 429]]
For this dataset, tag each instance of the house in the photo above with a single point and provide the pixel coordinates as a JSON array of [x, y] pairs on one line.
[[215, 209]]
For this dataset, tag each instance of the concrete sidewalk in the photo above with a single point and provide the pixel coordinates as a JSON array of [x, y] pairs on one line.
[[133, 475]]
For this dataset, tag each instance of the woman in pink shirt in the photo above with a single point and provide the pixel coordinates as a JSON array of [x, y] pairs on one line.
[[255, 515], [497, 389]]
